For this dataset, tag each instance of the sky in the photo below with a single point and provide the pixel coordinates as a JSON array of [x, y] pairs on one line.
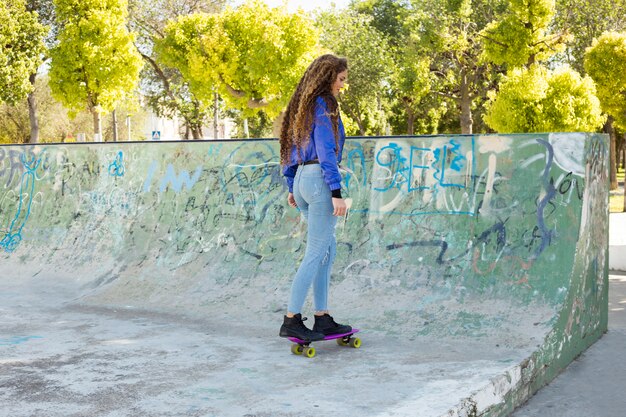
[[306, 5]]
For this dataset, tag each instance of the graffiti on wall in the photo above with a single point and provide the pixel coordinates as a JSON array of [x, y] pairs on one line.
[[463, 208], [13, 234]]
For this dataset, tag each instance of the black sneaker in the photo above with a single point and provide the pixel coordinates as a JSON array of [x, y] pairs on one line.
[[327, 326], [294, 327]]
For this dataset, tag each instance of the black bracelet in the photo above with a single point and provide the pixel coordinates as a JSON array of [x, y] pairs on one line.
[[336, 193]]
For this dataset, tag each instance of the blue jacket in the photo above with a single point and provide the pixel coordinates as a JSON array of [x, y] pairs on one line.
[[321, 146]]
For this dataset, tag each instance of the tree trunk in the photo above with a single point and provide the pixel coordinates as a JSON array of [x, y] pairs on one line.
[[359, 123], [621, 153], [608, 128], [97, 126], [215, 115], [410, 120], [32, 112], [624, 208], [114, 115], [196, 132], [410, 123], [277, 124], [353, 115], [622, 162], [380, 112], [466, 106]]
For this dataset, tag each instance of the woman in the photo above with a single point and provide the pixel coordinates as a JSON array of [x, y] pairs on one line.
[[311, 143]]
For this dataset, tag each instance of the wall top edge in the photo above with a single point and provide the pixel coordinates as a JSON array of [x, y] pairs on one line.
[[204, 141]]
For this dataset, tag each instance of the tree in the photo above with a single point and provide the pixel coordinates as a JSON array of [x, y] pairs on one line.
[[167, 92], [387, 16], [409, 79], [54, 121], [532, 98], [351, 35], [412, 87], [448, 34], [95, 63], [45, 14], [253, 55], [587, 19], [521, 36], [605, 62], [21, 47], [536, 99]]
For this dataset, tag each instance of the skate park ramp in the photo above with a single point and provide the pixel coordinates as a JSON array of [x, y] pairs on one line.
[[150, 279]]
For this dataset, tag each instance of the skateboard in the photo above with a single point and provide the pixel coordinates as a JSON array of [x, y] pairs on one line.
[[300, 347]]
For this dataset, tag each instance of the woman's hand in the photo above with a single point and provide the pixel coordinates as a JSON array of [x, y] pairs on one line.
[[339, 206], [291, 200]]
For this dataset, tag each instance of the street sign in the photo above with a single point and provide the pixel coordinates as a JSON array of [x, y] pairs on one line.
[[156, 135]]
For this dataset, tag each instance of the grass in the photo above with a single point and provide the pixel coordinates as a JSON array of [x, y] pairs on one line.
[[616, 200]]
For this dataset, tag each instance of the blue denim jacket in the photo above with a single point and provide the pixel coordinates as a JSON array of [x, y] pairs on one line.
[[321, 146]]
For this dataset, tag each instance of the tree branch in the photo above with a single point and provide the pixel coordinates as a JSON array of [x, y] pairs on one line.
[[253, 103], [493, 40], [160, 73], [451, 96]]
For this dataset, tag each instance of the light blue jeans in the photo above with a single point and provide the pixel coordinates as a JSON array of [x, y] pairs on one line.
[[316, 206]]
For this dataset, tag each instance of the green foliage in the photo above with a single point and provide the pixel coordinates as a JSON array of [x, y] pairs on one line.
[[95, 63], [351, 35], [447, 33], [21, 48], [440, 25], [387, 16], [253, 55], [536, 99], [199, 48], [54, 121], [605, 62], [167, 93], [587, 20], [521, 36]]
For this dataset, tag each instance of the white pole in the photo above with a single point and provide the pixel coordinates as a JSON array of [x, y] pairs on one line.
[[128, 125]]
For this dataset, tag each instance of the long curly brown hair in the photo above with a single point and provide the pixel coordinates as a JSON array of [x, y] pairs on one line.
[[317, 81]]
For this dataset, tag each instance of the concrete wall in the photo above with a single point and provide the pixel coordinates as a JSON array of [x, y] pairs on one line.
[[477, 237]]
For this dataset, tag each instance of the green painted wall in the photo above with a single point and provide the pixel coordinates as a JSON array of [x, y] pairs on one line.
[[461, 236]]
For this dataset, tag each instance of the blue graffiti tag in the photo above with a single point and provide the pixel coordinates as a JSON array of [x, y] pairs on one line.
[[359, 155], [456, 163], [16, 340], [550, 193], [177, 181], [116, 168], [396, 165], [13, 237], [412, 166], [445, 160]]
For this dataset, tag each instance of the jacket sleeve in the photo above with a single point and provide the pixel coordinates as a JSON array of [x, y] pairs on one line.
[[290, 172], [342, 139], [324, 140]]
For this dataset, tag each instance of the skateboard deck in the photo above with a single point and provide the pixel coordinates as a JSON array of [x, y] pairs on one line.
[[301, 347]]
